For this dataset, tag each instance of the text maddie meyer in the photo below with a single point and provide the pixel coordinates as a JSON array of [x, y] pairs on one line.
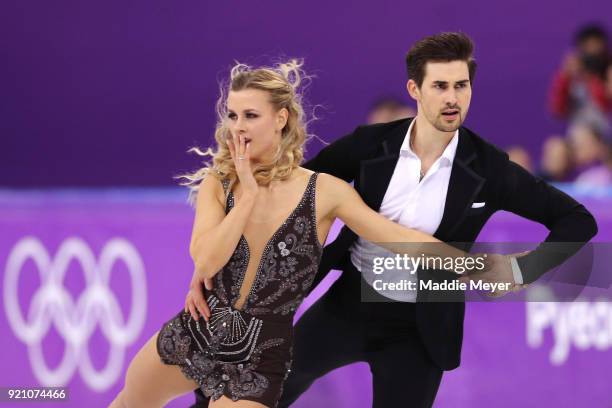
[[444, 286]]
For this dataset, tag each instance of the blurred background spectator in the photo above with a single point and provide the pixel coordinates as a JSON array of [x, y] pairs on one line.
[[580, 95], [388, 109], [591, 154], [520, 156], [609, 82], [578, 90], [556, 161]]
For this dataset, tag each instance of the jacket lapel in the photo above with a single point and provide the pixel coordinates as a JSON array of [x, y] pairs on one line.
[[375, 174], [463, 187]]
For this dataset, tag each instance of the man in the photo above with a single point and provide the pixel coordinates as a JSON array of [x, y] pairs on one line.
[[431, 174]]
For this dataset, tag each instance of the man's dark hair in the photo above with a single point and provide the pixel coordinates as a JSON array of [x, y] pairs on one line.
[[590, 31], [442, 47]]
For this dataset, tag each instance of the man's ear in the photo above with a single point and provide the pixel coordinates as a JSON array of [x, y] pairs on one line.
[[413, 90], [281, 118]]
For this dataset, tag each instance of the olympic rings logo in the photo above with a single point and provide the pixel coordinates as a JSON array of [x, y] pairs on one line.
[[76, 319]]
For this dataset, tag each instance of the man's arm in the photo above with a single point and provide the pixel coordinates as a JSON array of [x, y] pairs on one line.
[[567, 220], [340, 159]]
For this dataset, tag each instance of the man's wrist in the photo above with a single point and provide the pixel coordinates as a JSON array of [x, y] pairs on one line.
[[516, 271]]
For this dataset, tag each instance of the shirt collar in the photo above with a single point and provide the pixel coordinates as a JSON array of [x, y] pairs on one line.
[[448, 155]]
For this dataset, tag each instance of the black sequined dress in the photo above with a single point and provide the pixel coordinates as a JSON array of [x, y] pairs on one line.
[[246, 353]]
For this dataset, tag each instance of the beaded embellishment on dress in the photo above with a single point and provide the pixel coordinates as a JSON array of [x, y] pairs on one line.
[[246, 353]]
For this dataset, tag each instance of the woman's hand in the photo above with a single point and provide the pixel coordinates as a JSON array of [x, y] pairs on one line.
[[240, 152], [195, 302]]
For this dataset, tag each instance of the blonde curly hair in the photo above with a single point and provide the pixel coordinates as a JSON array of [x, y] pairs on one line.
[[281, 82]]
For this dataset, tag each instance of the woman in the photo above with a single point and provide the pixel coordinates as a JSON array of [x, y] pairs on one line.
[[258, 232]]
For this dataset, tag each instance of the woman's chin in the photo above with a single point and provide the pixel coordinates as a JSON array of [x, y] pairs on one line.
[[261, 158]]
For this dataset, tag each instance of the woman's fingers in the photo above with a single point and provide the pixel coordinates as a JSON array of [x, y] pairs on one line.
[[234, 147], [231, 143], [198, 299], [242, 147], [192, 309], [236, 142], [197, 309], [247, 153], [203, 309], [238, 152], [208, 283]]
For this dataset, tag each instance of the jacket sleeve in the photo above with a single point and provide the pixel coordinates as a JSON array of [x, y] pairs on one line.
[[340, 158], [568, 221]]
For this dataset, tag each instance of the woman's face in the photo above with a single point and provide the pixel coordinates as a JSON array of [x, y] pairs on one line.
[[250, 114]]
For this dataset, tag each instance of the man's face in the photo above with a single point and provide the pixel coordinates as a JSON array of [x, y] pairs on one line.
[[444, 97], [594, 46]]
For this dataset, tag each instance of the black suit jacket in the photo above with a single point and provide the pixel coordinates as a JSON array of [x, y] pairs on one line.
[[480, 173]]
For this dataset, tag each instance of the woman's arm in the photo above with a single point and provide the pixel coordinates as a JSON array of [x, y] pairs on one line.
[[215, 235], [340, 200]]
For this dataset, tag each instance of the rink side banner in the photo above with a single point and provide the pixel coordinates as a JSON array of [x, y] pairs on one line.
[[89, 276]]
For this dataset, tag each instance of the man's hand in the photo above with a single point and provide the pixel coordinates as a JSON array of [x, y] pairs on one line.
[[498, 270], [572, 65], [195, 302]]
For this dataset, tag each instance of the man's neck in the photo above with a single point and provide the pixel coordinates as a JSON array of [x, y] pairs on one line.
[[426, 141]]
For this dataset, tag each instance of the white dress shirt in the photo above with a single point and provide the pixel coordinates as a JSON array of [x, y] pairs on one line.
[[413, 204]]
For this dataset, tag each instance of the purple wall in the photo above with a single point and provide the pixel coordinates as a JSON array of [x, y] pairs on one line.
[[113, 93]]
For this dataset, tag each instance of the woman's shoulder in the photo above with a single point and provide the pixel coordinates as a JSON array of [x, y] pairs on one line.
[[303, 171], [214, 182], [331, 192], [324, 177], [213, 186], [326, 182]]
